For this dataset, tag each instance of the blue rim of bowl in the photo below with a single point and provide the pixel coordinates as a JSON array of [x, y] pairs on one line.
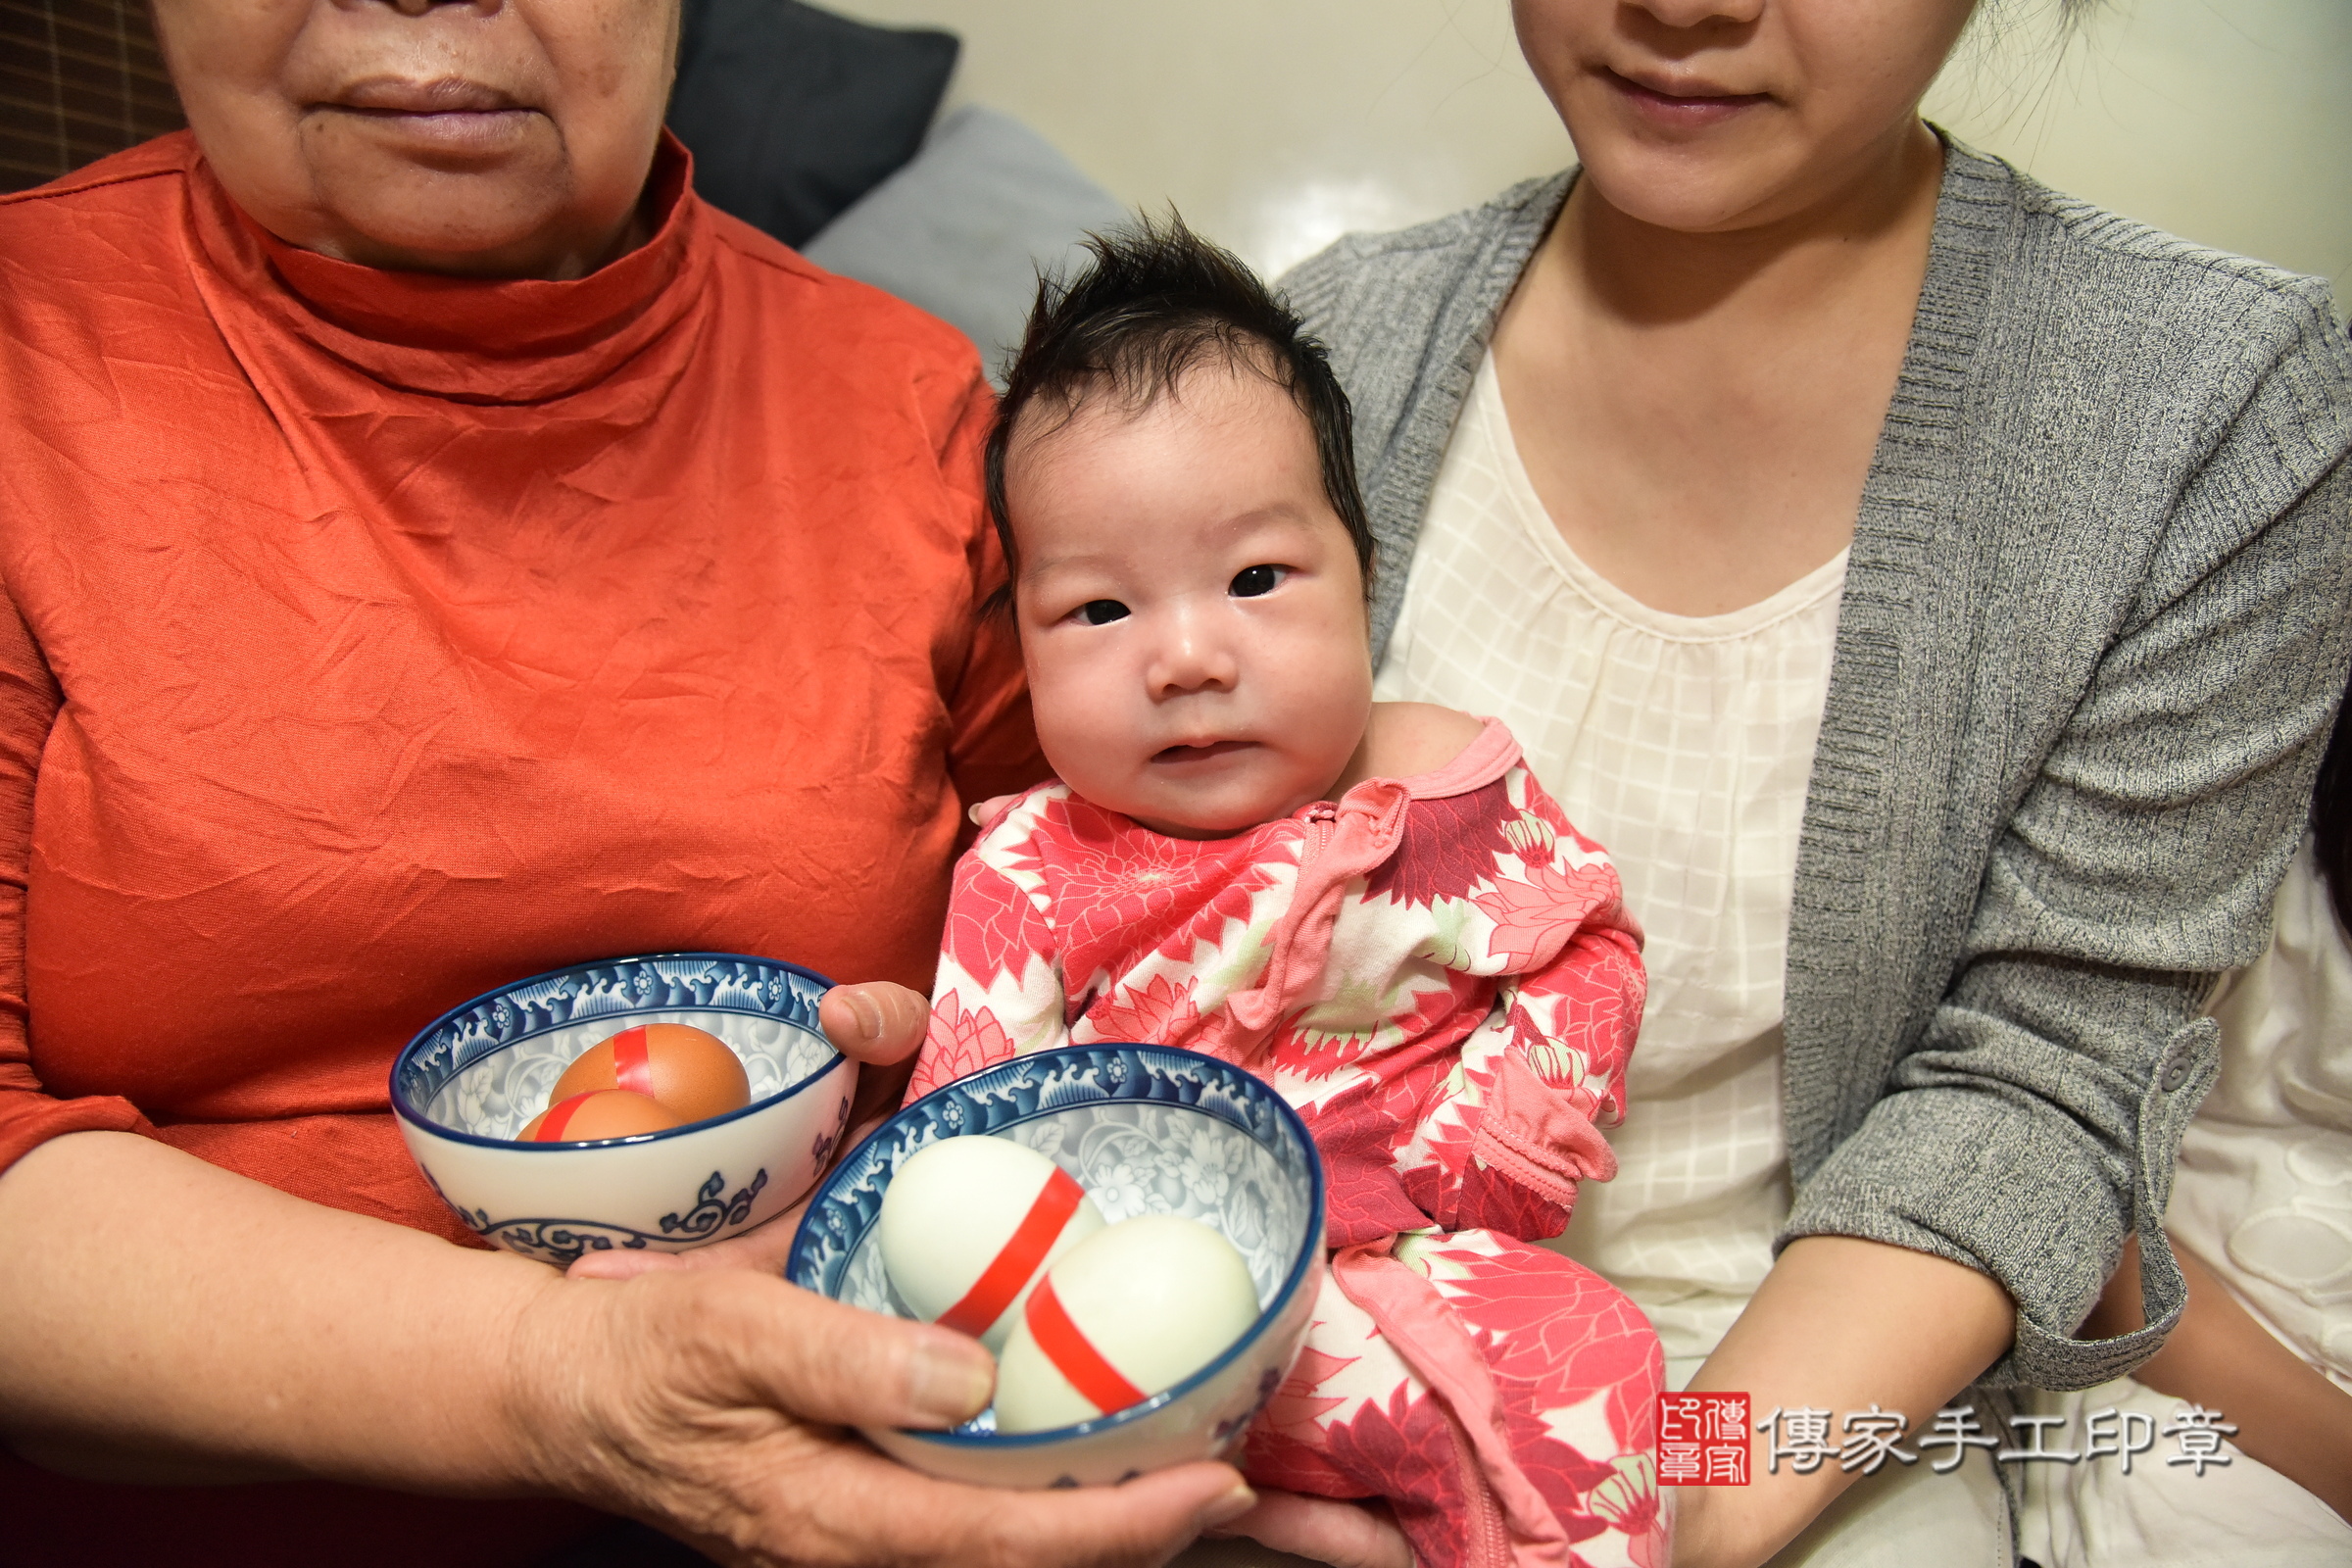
[[411, 1114], [1307, 1254]]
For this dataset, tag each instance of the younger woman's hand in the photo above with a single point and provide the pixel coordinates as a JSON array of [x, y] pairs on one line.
[[713, 1405]]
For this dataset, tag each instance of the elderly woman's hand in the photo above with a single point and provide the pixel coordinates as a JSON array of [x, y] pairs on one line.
[[713, 1405], [710, 1397]]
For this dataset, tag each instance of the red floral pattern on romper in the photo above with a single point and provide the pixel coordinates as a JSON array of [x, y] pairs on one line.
[[1486, 930]]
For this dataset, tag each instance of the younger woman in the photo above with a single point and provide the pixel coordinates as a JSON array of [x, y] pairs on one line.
[[1931, 588]]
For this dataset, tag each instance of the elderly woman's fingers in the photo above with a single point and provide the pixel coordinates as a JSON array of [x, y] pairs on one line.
[[712, 1401], [1346, 1535], [878, 1021], [796, 1351], [615, 1384]]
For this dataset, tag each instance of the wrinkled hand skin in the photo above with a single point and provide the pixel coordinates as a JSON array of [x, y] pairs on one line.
[[700, 1394], [711, 1405]]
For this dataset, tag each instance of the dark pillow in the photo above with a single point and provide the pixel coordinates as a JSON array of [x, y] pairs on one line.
[[792, 113]]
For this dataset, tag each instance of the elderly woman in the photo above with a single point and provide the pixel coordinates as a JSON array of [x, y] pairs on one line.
[[1931, 590], [435, 547]]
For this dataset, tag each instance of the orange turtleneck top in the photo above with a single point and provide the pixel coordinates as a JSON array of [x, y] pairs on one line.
[[368, 639]]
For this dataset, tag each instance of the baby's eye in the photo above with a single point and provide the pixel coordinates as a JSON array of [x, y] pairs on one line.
[[1101, 612], [1253, 582]]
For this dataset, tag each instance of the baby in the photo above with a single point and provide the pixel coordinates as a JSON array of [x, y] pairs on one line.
[[1371, 904]]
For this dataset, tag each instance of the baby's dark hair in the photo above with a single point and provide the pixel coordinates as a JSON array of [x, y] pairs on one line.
[[1157, 300]]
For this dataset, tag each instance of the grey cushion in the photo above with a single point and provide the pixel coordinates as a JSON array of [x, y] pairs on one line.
[[965, 228], [792, 113]]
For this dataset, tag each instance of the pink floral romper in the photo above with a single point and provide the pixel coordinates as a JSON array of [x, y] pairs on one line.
[[1438, 972]]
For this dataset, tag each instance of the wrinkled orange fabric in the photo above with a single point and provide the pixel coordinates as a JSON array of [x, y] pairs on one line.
[[369, 639]]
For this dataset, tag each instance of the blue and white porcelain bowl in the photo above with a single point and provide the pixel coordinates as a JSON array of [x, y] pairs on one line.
[[465, 1087], [1145, 1130]]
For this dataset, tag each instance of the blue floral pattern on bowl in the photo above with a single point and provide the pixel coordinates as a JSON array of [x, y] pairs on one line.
[[470, 1080]]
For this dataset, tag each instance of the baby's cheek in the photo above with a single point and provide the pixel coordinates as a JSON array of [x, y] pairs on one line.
[[1088, 748]]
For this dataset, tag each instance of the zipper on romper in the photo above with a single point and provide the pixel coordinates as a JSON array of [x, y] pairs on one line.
[[1320, 819]]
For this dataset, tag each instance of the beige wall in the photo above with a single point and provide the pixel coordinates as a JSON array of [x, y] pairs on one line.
[[1276, 124]]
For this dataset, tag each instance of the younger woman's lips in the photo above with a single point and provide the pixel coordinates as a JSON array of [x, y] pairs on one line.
[[1682, 109]]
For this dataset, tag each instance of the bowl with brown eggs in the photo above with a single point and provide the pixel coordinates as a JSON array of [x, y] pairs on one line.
[[660, 1102]]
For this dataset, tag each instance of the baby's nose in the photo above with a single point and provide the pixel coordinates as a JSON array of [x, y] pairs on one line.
[[1193, 655]]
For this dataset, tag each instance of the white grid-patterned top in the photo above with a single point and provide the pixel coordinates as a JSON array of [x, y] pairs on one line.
[[1683, 743]]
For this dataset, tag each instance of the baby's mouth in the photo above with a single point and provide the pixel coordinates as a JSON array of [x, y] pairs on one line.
[[1200, 753]]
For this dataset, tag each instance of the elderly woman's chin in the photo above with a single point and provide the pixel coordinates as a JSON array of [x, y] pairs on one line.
[[506, 139], [486, 194]]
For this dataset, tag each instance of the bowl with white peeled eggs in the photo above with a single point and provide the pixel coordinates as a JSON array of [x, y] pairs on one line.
[[661, 1103], [1133, 1231]]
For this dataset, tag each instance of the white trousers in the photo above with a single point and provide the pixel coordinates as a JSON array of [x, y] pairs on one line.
[[2244, 1514]]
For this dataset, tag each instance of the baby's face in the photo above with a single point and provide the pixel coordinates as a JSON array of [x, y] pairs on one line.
[[1190, 606]]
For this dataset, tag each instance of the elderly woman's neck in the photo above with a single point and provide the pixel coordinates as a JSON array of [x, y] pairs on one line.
[[556, 257]]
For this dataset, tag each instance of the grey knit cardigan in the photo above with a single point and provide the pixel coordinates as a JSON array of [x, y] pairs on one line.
[[2093, 631]]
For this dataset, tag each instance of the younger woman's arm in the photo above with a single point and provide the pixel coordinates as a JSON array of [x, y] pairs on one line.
[[1839, 1324], [2287, 1415]]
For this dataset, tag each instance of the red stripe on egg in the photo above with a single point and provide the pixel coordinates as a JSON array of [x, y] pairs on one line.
[[1074, 1355], [993, 1292], [560, 1116], [632, 1067]]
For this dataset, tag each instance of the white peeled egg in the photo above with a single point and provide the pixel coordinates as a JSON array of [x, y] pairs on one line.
[[1151, 1301], [969, 1225]]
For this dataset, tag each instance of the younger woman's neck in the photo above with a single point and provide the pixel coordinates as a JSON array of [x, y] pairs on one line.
[[1793, 261]]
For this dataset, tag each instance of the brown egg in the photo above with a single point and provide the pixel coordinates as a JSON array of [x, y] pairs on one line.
[[600, 1113], [689, 1070]]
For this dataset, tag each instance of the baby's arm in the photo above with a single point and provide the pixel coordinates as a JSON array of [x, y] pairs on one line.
[[1511, 1131], [998, 991]]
